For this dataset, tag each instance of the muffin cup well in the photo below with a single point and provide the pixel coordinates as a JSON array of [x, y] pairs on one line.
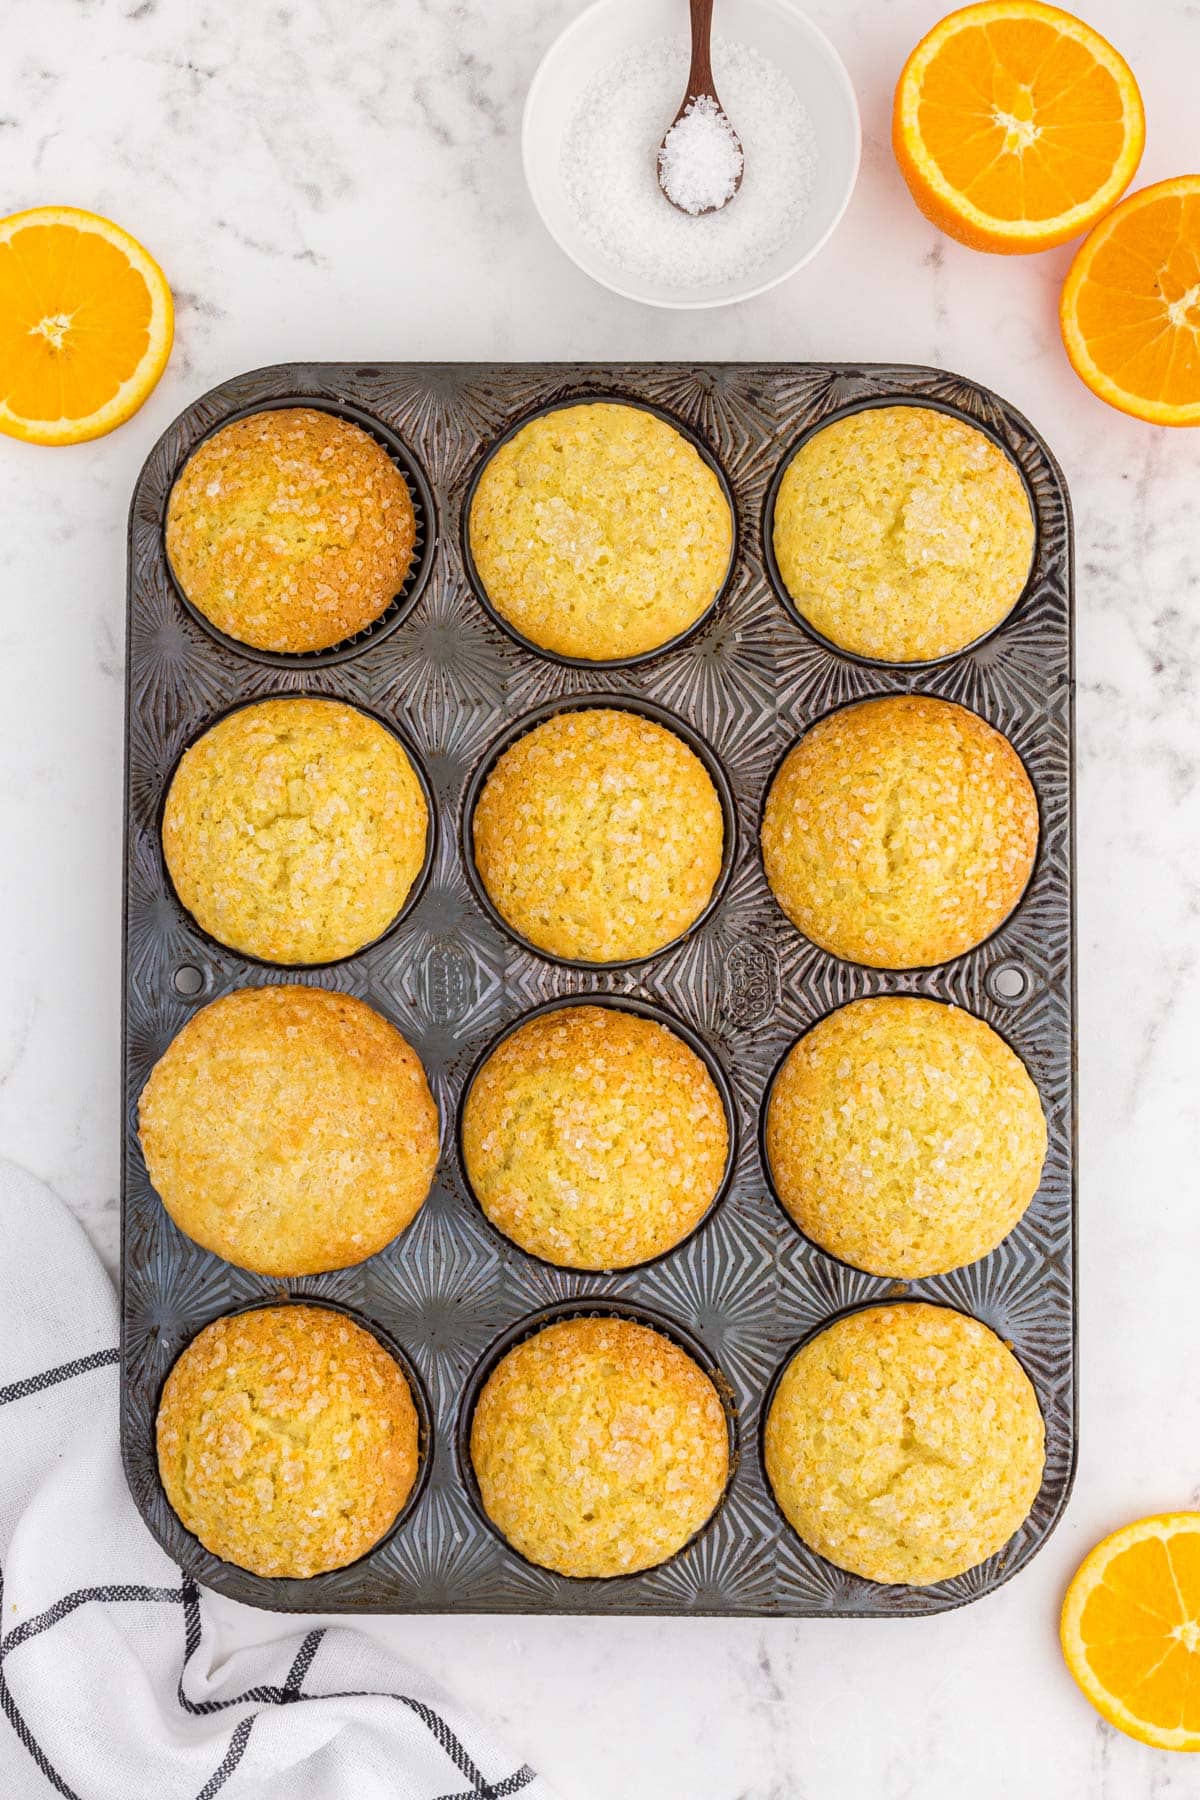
[[764, 1108], [399, 608], [646, 709], [916, 968], [642, 1009], [921, 403], [591, 1308], [887, 1297], [413, 895], [600, 664], [292, 1587]]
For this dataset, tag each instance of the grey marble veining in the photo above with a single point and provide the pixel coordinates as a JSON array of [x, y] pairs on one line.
[[321, 180]]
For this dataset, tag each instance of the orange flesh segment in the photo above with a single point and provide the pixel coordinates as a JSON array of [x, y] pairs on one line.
[[81, 285], [1138, 1632], [1135, 310], [1185, 1563], [85, 325], [1024, 71], [1016, 125]]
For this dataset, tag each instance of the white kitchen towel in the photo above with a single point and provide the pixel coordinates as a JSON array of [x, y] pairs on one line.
[[111, 1680]]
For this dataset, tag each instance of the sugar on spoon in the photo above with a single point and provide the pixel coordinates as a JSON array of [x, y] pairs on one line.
[[700, 160]]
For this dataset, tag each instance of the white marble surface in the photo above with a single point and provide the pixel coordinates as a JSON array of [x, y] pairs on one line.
[[321, 179]]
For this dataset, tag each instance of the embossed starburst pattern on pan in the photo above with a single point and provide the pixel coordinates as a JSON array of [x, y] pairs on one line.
[[746, 1288]]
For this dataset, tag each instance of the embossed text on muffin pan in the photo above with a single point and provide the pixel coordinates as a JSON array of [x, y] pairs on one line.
[[745, 1287]]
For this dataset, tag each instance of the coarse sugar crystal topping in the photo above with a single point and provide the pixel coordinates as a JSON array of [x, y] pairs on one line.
[[700, 162]]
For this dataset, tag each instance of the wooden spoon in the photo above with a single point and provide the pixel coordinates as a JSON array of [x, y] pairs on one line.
[[701, 87]]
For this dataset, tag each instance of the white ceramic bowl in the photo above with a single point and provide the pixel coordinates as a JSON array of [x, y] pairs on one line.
[[599, 36]]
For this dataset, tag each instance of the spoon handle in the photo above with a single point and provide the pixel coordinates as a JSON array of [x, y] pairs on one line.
[[700, 75]]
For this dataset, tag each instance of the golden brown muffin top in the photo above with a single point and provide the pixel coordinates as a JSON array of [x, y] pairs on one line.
[[599, 835], [905, 1136], [905, 1443], [289, 1130], [594, 1138], [295, 829], [599, 1447], [599, 531], [900, 832], [902, 533], [290, 530], [287, 1439]]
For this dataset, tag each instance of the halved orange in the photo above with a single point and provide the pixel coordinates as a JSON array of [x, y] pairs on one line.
[[86, 323], [1016, 126], [1131, 1630], [1130, 308]]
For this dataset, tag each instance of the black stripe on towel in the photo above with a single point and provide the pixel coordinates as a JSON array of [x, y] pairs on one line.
[[187, 1595], [241, 1735], [34, 1384], [230, 1760], [20, 1634], [264, 1695], [302, 1664], [512, 1784], [13, 1715], [434, 1723], [290, 1693], [30, 1628], [496, 1790]]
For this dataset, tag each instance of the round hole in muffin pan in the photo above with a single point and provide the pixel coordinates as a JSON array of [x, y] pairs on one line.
[[599, 664], [646, 709], [923, 403], [414, 893], [642, 1009], [424, 545], [598, 1307], [1009, 983]]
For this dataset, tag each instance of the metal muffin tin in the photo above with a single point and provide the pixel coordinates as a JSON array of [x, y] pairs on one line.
[[746, 1287]]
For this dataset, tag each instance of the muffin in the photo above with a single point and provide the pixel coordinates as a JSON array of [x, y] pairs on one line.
[[905, 1136], [295, 830], [288, 1441], [599, 1447], [291, 530], [902, 533], [900, 832], [594, 1138], [598, 836], [289, 1130], [599, 531], [905, 1443]]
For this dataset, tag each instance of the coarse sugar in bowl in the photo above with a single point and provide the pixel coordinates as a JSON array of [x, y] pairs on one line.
[[596, 115]]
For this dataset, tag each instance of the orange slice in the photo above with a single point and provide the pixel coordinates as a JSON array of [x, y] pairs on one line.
[[86, 323], [1131, 1630], [1130, 309], [1016, 126]]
